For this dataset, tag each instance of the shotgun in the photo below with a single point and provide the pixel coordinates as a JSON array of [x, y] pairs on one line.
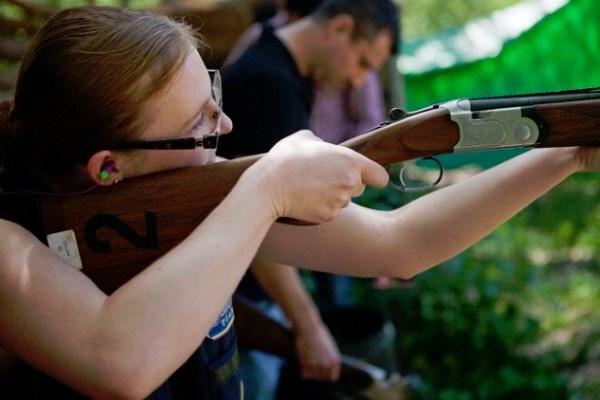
[[113, 232]]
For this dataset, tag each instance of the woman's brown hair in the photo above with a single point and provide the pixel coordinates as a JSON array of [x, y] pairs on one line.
[[82, 85]]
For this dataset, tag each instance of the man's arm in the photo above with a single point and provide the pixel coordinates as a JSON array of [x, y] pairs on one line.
[[318, 354]]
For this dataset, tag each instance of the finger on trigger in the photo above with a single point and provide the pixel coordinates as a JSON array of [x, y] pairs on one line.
[[373, 174]]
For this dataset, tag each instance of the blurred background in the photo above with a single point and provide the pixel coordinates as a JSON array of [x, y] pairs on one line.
[[518, 315]]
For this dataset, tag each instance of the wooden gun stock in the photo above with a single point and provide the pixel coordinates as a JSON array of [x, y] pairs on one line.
[[122, 228]]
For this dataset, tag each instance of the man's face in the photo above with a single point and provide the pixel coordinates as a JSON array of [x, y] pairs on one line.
[[350, 60]]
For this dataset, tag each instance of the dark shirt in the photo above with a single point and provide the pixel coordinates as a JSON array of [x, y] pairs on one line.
[[209, 374], [267, 99], [265, 96]]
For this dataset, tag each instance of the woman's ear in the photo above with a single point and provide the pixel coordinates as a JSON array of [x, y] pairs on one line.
[[102, 168]]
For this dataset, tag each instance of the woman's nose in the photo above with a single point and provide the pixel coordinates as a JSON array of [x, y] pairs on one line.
[[225, 125]]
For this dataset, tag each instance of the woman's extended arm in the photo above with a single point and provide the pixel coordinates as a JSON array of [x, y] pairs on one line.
[[431, 229]]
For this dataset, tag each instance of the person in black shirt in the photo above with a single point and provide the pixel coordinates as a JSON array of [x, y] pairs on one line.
[[272, 87]]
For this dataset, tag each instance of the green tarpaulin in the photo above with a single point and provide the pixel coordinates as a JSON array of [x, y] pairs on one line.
[[560, 51]]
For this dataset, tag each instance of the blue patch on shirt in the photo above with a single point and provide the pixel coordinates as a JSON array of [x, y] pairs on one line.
[[223, 323]]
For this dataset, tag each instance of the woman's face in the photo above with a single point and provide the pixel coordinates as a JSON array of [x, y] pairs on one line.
[[185, 108]]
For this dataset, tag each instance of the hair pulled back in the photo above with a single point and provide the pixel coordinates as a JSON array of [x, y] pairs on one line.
[[83, 83]]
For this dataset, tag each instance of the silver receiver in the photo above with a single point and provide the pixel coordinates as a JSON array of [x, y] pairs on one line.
[[497, 128]]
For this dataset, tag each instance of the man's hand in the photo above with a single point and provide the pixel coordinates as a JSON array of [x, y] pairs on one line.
[[318, 354]]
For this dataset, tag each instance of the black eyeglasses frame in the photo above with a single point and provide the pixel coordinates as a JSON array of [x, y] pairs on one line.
[[208, 141]]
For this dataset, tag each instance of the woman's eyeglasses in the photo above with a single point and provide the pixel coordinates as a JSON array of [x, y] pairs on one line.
[[208, 141]]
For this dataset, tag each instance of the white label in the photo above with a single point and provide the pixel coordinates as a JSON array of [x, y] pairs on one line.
[[65, 245]]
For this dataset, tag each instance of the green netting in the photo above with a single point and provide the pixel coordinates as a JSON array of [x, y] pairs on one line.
[[561, 51]]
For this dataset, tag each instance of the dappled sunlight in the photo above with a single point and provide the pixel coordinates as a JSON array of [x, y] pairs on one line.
[[581, 254], [540, 256], [568, 307], [577, 255]]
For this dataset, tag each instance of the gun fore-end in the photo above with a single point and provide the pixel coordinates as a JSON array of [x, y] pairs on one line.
[[419, 135], [575, 123]]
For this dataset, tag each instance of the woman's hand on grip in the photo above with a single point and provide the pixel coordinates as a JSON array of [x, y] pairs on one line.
[[312, 180]]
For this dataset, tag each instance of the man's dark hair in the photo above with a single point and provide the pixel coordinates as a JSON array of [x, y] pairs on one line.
[[370, 17], [264, 11], [302, 7]]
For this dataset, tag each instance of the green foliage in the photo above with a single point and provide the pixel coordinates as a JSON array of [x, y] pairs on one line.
[[422, 17], [514, 317]]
